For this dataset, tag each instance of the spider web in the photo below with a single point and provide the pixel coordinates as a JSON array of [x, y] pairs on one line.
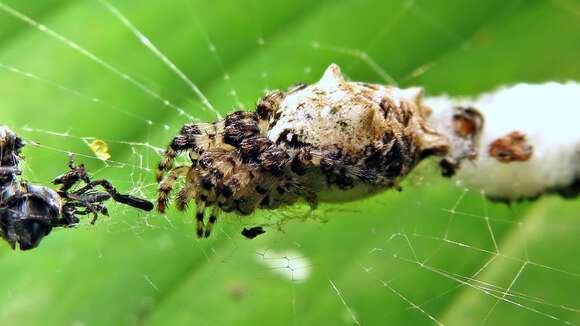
[[450, 257]]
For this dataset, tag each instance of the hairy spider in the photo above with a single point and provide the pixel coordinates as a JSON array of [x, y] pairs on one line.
[[29, 212], [331, 141]]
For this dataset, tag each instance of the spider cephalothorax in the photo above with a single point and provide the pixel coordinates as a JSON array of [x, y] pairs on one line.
[[29, 212], [333, 140]]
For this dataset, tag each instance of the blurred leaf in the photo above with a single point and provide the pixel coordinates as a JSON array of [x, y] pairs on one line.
[[135, 269]]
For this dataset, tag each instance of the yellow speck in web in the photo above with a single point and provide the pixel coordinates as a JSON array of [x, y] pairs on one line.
[[101, 149]]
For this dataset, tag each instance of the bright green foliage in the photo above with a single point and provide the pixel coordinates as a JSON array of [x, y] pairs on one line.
[[137, 269]]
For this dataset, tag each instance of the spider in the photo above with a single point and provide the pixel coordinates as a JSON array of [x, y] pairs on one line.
[[331, 141], [29, 212]]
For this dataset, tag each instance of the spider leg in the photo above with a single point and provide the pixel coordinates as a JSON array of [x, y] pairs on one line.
[[96, 201], [85, 212], [91, 210], [79, 201], [100, 208], [71, 162], [183, 197], [69, 179], [91, 203], [184, 141], [188, 191], [97, 197], [199, 216], [103, 210], [166, 162], [212, 221], [118, 197], [167, 185]]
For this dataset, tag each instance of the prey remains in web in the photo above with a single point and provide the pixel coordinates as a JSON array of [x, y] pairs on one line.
[[337, 141], [29, 212]]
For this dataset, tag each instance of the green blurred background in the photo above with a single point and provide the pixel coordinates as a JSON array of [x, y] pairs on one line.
[[398, 258]]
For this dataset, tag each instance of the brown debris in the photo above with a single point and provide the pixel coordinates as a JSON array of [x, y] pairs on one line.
[[467, 122], [512, 147]]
